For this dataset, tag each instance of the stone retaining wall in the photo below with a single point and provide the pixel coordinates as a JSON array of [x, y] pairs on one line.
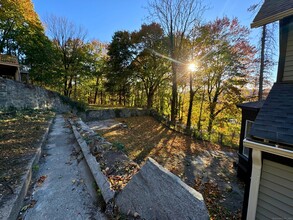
[[19, 95], [104, 114]]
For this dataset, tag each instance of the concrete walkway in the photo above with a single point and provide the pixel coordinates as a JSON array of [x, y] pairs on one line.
[[62, 192]]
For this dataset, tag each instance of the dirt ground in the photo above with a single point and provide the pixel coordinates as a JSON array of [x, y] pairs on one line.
[[204, 166], [207, 167], [20, 134]]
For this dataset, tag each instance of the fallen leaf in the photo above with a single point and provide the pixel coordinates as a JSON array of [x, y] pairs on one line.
[[32, 204], [135, 215], [41, 180], [24, 208]]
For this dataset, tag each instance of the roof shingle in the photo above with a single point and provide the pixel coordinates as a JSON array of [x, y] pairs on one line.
[[274, 121], [273, 10], [251, 105]]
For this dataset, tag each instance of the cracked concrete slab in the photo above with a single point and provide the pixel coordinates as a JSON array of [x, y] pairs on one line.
[[63, 193]]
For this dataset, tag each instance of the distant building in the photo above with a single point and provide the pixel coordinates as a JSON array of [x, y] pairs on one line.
[[9, 67]]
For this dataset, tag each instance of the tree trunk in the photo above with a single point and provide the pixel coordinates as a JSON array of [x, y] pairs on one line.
[[210, 125], [174, 94], [95, 96], [200, 112], [150, 99], [75, 88], [188, 123], [211, 120], [124, 96], [65, 91], [191, 97], [101, 98], [120, 97], [262, 60], [96, 91], [179, 106], [69, 87], [174, 76]]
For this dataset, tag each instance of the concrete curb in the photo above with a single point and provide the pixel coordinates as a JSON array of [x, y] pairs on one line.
[[11, 208], [101, 180]]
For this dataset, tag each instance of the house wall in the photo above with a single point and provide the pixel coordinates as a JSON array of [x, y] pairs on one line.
[[275, 199], [244, 164], [288, 68]]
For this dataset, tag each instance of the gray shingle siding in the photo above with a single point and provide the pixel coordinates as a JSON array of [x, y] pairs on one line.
[[274, 121]]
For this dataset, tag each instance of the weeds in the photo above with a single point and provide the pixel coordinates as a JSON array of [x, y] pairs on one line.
[[119, 146], [36, 167]]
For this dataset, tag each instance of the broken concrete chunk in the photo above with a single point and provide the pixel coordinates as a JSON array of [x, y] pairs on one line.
[[156, 193]]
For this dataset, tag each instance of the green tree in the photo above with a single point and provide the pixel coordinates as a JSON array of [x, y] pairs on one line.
[[96, 62], [121, 54], [68, 40], [227, 64], [22, 34], [177, 17], [150, 68]]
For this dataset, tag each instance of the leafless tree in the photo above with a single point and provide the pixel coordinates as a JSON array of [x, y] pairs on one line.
[[68, 39], [177, 17], [267, 48]]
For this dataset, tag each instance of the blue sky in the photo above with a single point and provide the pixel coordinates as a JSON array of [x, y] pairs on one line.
[[101, 18]]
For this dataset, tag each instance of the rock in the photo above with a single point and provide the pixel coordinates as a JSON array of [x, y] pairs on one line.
[[156, 193], [124, 126], [229, 188], [136, 215]]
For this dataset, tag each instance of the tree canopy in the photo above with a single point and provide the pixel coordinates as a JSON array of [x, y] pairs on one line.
[[227, 60], [143, 68]]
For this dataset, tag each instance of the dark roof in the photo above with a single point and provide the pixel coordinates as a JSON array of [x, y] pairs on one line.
[[251, 105], [274, 121], [273, 10]]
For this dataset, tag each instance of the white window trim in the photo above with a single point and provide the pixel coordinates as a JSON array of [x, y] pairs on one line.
[[245, 136]]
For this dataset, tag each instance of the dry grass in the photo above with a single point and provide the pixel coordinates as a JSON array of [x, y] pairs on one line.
[[144, 137], [20, 133]]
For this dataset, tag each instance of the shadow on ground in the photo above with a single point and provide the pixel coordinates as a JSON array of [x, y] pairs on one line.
[[204, 166]]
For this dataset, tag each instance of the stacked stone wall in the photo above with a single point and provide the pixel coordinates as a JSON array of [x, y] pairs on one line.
[[18, 95], [103, 114]]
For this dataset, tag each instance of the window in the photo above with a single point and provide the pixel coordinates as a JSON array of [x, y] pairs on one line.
[[248, 125]]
